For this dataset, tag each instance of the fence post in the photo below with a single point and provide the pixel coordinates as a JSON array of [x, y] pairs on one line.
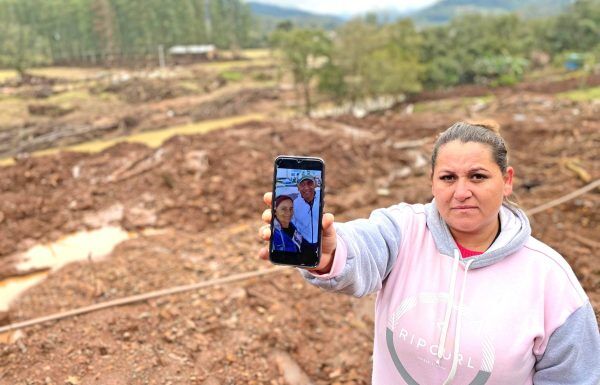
[[161, 56]]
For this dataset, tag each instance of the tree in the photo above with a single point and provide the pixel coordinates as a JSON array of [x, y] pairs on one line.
[[576, 30], [20, 48], [454, 53], [370, 60], [104, 26], [394, 66], [304, 52]]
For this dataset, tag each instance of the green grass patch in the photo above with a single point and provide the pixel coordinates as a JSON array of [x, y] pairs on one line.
[[107, 97], [11, 110], [66, 73], [190, 86], [232, 76], [258, 53], [233, 64], [7, 74], [582, 95], [69, 97]]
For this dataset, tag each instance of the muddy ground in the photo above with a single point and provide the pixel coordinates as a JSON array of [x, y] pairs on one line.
[[46, 112], [204, 194]]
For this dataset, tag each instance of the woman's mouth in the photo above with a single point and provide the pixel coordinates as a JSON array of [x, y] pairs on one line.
[[464, 207]]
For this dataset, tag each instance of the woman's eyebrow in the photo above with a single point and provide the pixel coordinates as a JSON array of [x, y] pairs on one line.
[[470, 171], [478, 169]]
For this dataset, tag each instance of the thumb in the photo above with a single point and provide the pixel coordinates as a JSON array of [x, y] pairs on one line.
[[328, 220]]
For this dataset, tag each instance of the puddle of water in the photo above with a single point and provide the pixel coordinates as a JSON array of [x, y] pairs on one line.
[[11, 288], [94, 244], [79, 246]]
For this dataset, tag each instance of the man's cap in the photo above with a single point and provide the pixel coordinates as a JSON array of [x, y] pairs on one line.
[[306, 177]]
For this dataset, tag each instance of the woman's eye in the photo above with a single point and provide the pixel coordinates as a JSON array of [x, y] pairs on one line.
[[446, 178], [479, 176]]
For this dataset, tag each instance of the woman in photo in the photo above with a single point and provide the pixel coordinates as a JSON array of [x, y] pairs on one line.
[[285, 235]]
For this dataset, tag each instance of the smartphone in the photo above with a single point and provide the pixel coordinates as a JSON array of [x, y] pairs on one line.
[[297, 207]]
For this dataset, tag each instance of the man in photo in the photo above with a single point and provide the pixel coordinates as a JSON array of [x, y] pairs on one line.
[[306, 213]]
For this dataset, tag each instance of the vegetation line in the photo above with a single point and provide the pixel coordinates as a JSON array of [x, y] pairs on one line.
[[233, 278]]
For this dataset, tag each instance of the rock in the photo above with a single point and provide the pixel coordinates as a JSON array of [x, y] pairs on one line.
[[336, 373], [196, 162], [105, 217], [139, 216], [72, 380], [238, 293], [289, 369]]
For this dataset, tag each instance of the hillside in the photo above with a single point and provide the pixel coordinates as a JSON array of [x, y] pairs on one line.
[[445, 10], [268, 16]]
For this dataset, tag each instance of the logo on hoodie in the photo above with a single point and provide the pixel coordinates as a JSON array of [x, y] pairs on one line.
[[409, 331]]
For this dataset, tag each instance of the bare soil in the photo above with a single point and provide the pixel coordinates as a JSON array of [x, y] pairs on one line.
[[204, 193]]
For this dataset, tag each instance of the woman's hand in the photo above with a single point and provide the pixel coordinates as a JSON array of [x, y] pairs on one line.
[[328, 238]]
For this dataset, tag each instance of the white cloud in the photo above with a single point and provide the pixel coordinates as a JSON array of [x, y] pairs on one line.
[[336, 7]]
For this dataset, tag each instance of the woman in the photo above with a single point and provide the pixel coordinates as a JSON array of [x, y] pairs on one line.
[[465, 294], [285, 235]]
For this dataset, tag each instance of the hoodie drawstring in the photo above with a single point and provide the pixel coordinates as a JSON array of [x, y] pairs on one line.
[[458, 327], [441, 346], [442, 342]]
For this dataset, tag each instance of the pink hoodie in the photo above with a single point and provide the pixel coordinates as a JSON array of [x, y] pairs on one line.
[[514, 315]]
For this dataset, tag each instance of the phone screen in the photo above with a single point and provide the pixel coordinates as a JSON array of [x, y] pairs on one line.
[[297, 207]]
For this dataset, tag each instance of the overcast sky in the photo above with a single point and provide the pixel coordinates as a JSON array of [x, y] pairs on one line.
[[338, 7]]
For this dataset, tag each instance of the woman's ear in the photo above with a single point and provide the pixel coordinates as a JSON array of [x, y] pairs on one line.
[[508, 181]]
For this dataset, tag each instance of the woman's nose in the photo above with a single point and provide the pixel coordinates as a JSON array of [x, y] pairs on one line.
[[462, 190]]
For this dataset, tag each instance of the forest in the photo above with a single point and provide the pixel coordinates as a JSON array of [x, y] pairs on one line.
[[114, 32], [363, 57]]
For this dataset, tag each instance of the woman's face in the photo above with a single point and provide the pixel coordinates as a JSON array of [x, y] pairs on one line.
[[284, 212], [469, 187]]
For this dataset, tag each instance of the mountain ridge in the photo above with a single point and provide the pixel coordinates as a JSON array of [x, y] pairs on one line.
[[445, 10], [438, 13], [274, 14]]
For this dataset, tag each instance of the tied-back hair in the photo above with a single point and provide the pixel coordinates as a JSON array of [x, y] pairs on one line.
[[481, 131]]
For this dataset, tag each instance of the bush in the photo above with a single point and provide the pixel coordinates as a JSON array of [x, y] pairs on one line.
[[499, 70], [232, 76]]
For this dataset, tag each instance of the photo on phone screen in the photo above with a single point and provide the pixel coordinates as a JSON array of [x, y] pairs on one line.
[[297, 206]]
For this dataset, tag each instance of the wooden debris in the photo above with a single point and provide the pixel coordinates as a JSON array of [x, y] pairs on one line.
[[588, 242], [575, 166], [137, 167]]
